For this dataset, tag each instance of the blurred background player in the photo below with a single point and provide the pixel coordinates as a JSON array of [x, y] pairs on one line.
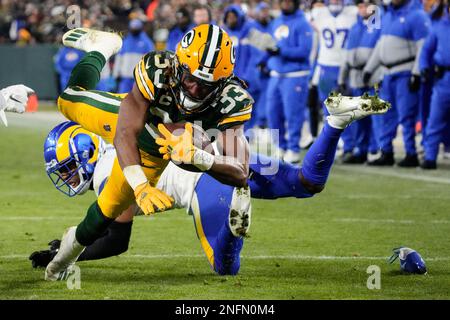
[[404, 28], [183, 25], [436, 9], [65, 60], [262, 24], [435, 60], [333, 22], [202, 14], [289, 66], [362, 38], [135, 45], [238, 26]]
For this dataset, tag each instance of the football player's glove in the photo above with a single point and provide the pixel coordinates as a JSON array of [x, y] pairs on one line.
[[14, 99], [42, 258], [410, 260], [178, 148], [148, 197], [181, 149]]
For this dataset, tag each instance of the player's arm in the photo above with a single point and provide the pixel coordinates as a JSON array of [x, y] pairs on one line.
[[131, 122], [233, 167]]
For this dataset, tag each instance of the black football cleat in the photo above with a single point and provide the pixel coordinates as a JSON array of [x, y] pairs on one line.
[[429, 165], [42, 258], [409, 161], [386, 159]]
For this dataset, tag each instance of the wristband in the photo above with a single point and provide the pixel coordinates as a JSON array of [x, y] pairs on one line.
[[202, 159], [134, 175]]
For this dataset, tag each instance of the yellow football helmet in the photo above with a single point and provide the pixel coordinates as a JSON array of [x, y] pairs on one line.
[[206, 59]]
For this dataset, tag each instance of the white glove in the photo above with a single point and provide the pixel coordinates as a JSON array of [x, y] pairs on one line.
[[13, 99]]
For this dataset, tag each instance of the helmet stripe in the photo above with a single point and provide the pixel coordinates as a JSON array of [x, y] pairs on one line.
[[216, 52], [212, 45]]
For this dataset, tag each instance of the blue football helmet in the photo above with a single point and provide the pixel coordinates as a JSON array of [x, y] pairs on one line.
[[70, 154], [410, 260]]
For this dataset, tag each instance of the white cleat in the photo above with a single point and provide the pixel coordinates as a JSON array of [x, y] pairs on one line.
[[344, 110], [292, 157], [240, 212], [69, 251], [107, 43]]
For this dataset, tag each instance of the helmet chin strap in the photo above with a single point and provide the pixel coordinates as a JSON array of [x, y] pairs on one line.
[[84, 184]]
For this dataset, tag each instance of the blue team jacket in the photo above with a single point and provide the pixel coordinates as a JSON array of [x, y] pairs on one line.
[[436, 50], [403, 31], [294, 37]]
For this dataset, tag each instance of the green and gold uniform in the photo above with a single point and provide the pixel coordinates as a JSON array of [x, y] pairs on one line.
[[97, 112]]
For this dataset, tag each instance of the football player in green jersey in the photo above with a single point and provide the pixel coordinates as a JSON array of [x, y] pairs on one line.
[[194, 85]]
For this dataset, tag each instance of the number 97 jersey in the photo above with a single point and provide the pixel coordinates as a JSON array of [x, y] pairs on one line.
[[154, 77], [333, 32]]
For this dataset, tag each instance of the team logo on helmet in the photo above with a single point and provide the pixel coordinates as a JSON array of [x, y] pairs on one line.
[[187, 39], [233, 54]]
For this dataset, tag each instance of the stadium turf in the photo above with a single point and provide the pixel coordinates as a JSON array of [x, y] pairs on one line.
[[318, 248]]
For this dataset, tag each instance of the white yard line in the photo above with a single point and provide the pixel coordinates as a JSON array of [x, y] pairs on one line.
[[362, 220], [256, 257], [386, 172]]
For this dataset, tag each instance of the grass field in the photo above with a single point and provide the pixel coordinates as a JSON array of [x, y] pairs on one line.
[[318, 248]]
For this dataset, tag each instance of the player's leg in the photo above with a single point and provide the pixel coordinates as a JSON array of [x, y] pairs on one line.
[[439, 117], [294, 95], [388, 124], [221, 217], [96, 111], [271, 178], [114, 241], [116, 196], [289, 181], [408, 105], [274, 111]]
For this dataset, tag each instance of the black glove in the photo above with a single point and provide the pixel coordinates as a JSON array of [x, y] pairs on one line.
[[43, 258], [262, 67], [366, 78], [313, 97], [414, 83], [273, 51]]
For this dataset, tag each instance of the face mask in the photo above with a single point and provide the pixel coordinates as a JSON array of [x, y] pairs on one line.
[[187, 103]]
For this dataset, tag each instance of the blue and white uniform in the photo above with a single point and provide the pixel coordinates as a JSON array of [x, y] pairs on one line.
[[333, 30], [403, 32]]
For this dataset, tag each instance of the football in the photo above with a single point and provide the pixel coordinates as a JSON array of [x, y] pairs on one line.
[[201, 140]]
